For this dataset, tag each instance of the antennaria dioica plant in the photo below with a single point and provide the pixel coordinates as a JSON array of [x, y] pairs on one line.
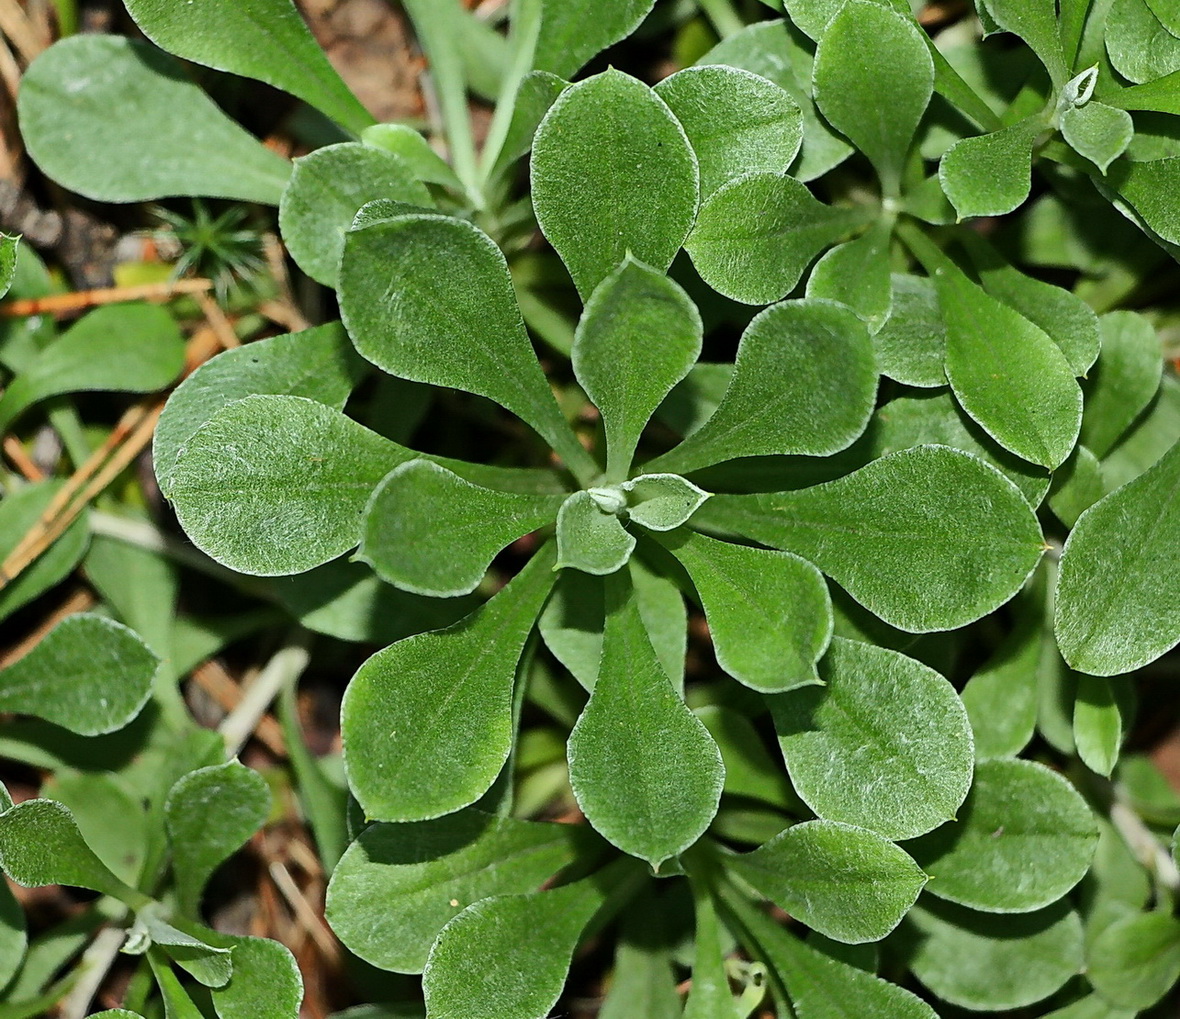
[[908, 459]]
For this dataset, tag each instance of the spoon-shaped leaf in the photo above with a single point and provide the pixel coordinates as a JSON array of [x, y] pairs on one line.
[[613, 174], [1035, 21], [754, 237], [429, 531], [590, 538], [89, 674], [1008, 374], [885, 745], [927, 538], [118, 121], [427, 723], [262, 39], [318, 363], [768, 612], [848, 883], [662, 502], [40, 845], [638, 337], [507, 957], [738, 122], [873, 80], [433, 870], [327, 189], [128, 348], [857, 274], [1023, 839], [429, 298], [266, 981], [274, 485], [990, 174], [573, 31], [644, 769], [804, 382], [1118, 607], [209, 814], [911, 344]]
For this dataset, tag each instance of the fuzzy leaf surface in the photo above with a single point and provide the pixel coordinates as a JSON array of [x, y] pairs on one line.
[[885, 744], [1136, 960], [117, 120], [613, 174], [927, 538], [266, 981], [737, 122], [1125, 379], [1099, 132], [769, 613], [573, 31], [434, 870], [911, 343], [403, 735], [1023, 839], [990, 174], [590, 538], [662, 502], [89, 674], [857, 274], [645, 771], [804, 382], [429, 531], [274, 485], [848, 883]]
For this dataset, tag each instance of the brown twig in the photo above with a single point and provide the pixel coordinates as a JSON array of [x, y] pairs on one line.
[[80, 300], [227, 694], [219, 322], [305, 914], [78, 601], [15, 24], [21, 460]]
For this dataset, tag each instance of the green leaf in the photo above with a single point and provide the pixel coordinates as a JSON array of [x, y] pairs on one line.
[[210, 814], [814, 16], [1023, 839], [1139, 45], [326, 190], [857, 274], [990, 174], [1090, 1007], [590, 536], [507, 957], [1035, 21], [738, 122], [848, 883], [1124, 381], [1001, 698], [118, 121], [873, 80], [662, 502], [769, 614], [780, 53], [1099, 132], [94, 799], [804, 382], [1167, 15], [8, 250], [1117, 608], [262, 39], [415, 153], [433, 870], [573, 31], [1097, 724], [177, 1003], [613, 174], [994, 963], [128, 348], [935, 418], [1008, 374], [1136, 960], [266, 981], [40, 845], [403, 735], [884, 745], [429, 298], [642, 981], [537, 94], [819, 986], [754, 237], [926, 538], [911, 344], [13, 937], [645, 771], [209, 964], [431, 532], [1077, 485], [318, 363], [1065, 318], [749, 769], [1159, 95], [639, 335], [1146, 186], [291, 492], [710, 996], [89, 674]]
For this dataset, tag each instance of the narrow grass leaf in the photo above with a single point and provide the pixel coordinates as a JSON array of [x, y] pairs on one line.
[[1097, 724], [117, 120], [403, 735], [604, 152]]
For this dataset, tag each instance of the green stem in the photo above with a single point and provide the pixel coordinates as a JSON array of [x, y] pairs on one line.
[[725, 20], [929, 254], [526, 28], [435, 22], [67, 17]]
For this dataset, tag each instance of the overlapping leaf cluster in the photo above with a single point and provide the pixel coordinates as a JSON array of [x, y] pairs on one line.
[[908, 425]]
